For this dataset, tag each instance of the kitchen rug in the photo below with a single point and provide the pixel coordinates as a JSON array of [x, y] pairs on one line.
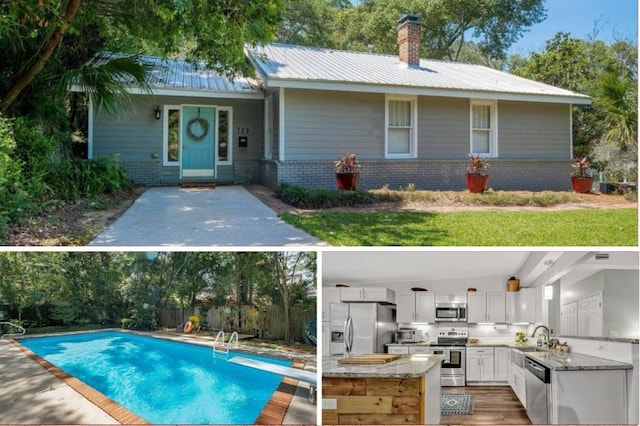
[[456, 403]]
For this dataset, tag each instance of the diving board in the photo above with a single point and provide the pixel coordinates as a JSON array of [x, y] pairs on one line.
[[294, 373]]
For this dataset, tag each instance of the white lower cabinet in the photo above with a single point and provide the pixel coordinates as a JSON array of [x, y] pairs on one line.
[[501, 363], [518, 384], [419, 350], [398, 350], [480, 364], [589, 396]]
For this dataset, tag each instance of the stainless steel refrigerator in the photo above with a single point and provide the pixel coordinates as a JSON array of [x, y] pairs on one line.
[[364, 327]]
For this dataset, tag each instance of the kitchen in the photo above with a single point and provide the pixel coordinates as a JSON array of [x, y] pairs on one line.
[[455, 308]]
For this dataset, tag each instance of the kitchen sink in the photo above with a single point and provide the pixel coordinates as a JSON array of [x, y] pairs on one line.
[[532, 349]]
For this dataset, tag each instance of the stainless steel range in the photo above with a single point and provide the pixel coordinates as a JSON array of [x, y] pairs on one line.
[[451, 343]]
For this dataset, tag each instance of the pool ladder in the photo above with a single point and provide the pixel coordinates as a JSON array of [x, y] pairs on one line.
[[216, 342], [20, 332]]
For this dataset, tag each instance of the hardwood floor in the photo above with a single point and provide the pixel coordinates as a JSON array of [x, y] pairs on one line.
[[491, 405]]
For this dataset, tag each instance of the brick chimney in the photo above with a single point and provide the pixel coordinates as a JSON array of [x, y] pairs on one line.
[[409, 39]]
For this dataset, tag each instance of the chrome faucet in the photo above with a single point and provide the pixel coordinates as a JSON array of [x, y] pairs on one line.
[[547, 330]]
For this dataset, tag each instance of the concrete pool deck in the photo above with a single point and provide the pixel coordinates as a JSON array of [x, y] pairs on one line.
[[30, 394], [38, 395]]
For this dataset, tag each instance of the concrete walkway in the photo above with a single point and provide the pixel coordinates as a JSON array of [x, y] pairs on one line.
[[224, 216], [30, 394]]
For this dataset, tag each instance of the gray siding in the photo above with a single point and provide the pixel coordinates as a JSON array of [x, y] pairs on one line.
[[136, 138], [534, 130], [321, 125], [443, 128]]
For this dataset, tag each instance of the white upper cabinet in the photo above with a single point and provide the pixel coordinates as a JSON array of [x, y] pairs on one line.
[[521, 306], [486, 307], [425, 307], [527, 305], [417, 306], [368, 294], [405, 307], [451, 297], [329, 295], [476, 307], [496, 307]]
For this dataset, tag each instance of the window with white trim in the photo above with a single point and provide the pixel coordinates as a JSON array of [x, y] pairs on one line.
[[484, 128], [224, 138], [171, 135], [401, 114]]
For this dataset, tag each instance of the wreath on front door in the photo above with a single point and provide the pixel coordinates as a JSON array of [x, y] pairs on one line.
[[200, 133]]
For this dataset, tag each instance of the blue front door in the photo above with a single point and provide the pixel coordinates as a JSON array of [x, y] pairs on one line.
[[198, 137]]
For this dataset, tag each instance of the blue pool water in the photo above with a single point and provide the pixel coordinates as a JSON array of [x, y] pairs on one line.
[[162, 381]]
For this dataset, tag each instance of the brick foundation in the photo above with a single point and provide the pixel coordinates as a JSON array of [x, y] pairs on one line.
[[534, 175]]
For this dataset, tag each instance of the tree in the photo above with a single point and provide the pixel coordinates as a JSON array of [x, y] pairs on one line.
[[213, 31], [293, 275], [308, 23], [580, 65], [494, 24]]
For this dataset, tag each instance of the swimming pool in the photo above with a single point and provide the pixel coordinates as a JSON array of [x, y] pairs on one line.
[[160, 380]]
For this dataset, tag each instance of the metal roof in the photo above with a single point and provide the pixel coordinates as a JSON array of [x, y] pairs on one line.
[[179, 74], [296, 66]]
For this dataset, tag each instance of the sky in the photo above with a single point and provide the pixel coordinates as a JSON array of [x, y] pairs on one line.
[[617, 19]]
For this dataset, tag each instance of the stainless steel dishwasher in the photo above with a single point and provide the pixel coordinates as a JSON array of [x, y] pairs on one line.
[[538, 391]]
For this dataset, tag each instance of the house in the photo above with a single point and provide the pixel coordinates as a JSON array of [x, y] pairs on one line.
[[409, 120]]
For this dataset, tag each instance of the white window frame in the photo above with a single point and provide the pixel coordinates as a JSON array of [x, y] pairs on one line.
[[413, 140], [268, 126], [493, 132], [165, 134], [229, 160]]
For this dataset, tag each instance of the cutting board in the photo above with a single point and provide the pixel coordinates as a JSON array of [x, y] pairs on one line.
[[369, 359]]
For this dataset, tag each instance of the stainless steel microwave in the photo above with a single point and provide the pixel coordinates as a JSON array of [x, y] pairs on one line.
[[451, 312]]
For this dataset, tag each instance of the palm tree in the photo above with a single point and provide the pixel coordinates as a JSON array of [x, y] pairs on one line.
[[106, 79], [618, 97]]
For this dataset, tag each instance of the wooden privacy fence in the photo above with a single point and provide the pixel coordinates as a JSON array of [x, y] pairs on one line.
[[267, 323]]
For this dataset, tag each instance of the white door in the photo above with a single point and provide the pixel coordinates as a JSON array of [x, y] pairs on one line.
[[569, 317], [590, 316]]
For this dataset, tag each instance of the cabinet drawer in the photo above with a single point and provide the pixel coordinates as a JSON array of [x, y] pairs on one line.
[[398, 350], [419, 350], [479, 351]]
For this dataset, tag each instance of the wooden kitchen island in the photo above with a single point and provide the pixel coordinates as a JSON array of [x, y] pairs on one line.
[[404, 391]]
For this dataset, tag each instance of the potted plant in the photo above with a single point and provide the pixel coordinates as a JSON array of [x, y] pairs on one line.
[[347, 172], [580, 180], [476, 180]]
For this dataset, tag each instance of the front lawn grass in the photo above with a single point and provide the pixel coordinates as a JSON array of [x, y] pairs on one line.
[[593, 227]]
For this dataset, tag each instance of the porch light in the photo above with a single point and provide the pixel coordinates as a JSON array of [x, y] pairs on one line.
[[158, 112]]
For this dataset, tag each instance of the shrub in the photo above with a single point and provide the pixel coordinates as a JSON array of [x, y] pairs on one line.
[[322, 198], [13, 196], [88, 178], [67, 314]]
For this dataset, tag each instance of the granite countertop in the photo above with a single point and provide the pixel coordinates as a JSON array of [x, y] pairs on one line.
[[509, 344], [604, 339], [576, 362], [406, 366]]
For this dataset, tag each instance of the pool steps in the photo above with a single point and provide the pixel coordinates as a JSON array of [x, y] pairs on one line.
[[20, 332]]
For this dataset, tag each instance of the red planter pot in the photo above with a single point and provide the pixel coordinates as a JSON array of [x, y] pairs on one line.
[[476, 183], [347, 181], [581, 185]]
